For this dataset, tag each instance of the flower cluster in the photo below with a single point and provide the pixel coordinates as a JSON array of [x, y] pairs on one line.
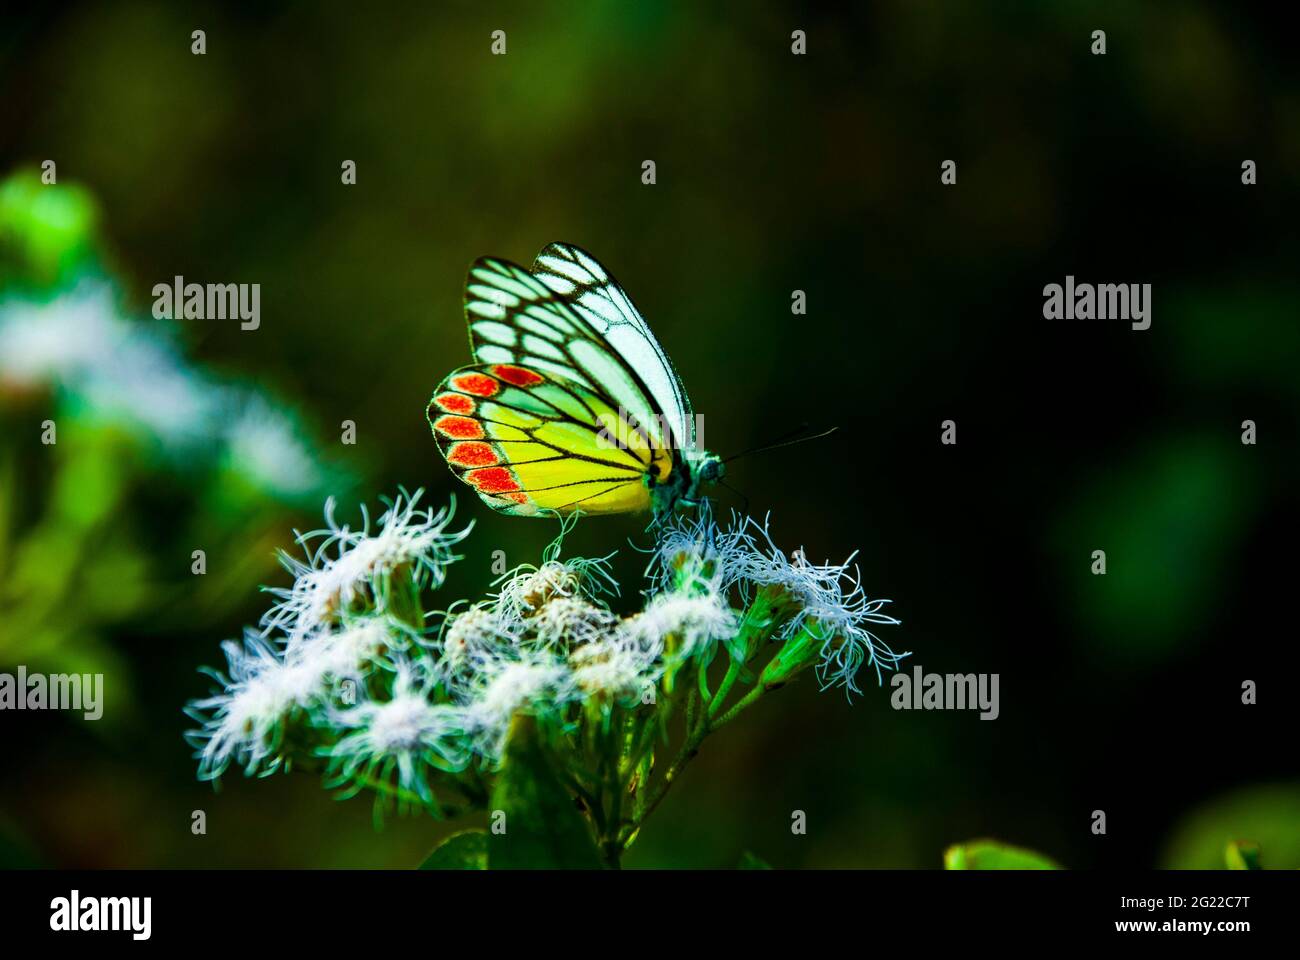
[[348, 671]]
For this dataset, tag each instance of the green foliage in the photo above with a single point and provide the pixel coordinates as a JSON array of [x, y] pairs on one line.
[[1242, 855], [118, 456], [47, 235], [1268, 815], [542, 827], [1168, 530], [992, 855], [467, 850], [751, 861]]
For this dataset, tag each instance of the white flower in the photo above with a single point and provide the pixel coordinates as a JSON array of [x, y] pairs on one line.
[[698, 621], [326, 586], [43, 342], [831, 602], [265, 444], [696, 550], [567, 622], [527, 588], [264, 688], [345, 654], [245, 721], [620, 666], [697, 554], [404, 734], [470, 635], [504, 687]]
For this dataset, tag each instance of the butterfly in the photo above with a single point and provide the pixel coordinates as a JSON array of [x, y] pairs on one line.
[[571, 405]]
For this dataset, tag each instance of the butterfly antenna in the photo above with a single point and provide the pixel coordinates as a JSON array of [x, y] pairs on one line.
[[744, 509], [782, 443]]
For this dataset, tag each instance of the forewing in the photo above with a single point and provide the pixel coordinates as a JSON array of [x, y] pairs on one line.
[[590, 335], [609, 313]]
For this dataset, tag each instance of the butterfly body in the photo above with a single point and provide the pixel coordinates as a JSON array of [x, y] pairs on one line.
[[684, 485], [571, 406]]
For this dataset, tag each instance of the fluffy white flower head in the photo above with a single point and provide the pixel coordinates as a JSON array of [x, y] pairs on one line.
[[504, 687], [567, 622], [473, 634], [244, 721], [697, 620], [407, 733], [618, 666], [326, 585]]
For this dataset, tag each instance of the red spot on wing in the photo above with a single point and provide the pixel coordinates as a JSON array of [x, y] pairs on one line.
[[493, 480], [517, 497], [459, 428], [479, 384], [519, 376], [472, 454], [455, 403]]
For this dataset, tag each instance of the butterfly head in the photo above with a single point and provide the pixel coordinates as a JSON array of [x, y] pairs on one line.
[[685, 484], [707, 469]]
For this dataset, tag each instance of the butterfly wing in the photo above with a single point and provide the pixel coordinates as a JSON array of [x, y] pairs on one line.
[[570, 318], [608, 311], [530, 442]]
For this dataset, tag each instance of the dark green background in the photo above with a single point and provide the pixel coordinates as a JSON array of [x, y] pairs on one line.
[[775, 173]]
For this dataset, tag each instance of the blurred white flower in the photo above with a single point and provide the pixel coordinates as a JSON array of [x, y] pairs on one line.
[[45, 342], [113, 369], [149, 387], [105, 367], [266, 445]]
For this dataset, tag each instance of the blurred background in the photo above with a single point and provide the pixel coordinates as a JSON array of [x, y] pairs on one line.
[[775, 173]]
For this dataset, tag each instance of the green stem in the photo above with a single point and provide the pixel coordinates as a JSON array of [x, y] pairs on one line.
[[687, 753], [703, 677], [744, 702], [724, 688]]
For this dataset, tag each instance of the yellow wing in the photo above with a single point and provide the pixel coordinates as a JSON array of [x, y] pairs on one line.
[[531, 443]]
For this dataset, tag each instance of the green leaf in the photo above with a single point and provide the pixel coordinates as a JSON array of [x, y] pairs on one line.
[[1242, 855], [750, 861], [467, 850], [1268, 815], [991, 855], [543, 830]]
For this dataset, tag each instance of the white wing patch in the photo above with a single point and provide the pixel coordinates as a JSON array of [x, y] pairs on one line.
[[516, 317], [608, 312]]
